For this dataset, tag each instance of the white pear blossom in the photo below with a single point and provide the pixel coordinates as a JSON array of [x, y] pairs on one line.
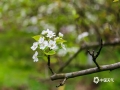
[[52, 44], [84, 34], [60, 34], [35, 45], [43, 45], [48, 30], [35, 57], [50, 34], [63, 46], [41, 40], [44, 32]]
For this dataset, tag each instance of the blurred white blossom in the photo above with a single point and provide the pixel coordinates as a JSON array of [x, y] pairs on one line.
[[35, 57], [60, 34], [72, 49], [44, 32], [61, 53], [35, 45], [23, 13], [91, 17], [63, 46], [84, 34], [34, 20]]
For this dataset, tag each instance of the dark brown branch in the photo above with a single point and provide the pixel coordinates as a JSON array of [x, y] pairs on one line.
[[101, 45], [94, 57], [85, 72], [94, 45], [49, 64]]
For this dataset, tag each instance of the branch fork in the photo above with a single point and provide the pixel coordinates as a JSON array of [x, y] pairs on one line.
[[85, 72], [62, 83], [94, 56]]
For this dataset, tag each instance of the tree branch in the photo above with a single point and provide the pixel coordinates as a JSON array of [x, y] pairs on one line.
[[85, 72], [94, 45], [49, 64]]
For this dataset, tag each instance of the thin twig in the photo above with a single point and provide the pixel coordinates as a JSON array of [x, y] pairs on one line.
[[62, 83], [49, 64], [85, 72], [101, 45], [94, 57]]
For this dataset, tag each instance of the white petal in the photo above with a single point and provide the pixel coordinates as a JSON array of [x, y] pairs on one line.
[[60, 34], [43, 45], [36, 59], [52, 44], [35, 45], [35, 55], [44, 32], [61, 52], [50, 34], [48, 30], [41, 40], [33, 48], [46, 43], [84, 34]]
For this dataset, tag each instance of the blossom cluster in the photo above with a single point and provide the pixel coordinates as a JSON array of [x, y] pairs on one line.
[[47, 42]]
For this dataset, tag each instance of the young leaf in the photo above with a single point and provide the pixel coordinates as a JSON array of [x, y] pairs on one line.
[[36, 37], [115, 0], [60, 40], [52, 52]]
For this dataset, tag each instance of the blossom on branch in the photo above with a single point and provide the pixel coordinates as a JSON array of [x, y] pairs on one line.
[[50, 34], [48, 42], [52, 44], [43, 45]]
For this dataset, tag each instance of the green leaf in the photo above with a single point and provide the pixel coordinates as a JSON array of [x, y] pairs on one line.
[[52, 52], [36, 37], [60, 40], [115, 0]]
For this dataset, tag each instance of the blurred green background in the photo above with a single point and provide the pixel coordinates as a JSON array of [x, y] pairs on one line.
[[22, 19]]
